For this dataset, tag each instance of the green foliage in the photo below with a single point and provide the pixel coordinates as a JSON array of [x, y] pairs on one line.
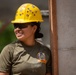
[[7, 36]]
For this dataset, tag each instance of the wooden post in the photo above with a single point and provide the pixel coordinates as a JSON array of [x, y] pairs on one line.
[[54, 37]]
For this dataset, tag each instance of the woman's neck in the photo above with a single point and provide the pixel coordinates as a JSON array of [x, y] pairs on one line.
[[29, 42]]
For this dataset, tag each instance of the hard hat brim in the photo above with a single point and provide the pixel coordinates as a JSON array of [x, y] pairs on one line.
[[25, 21]]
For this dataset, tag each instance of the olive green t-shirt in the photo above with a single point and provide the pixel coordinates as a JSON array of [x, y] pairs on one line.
[[20, 59]]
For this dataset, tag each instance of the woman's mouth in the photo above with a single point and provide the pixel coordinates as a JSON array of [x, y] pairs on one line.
[[19, 33]]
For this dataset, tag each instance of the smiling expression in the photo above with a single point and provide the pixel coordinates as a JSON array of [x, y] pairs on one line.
[[24, 32]]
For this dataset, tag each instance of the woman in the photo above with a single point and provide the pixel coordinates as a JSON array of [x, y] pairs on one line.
[[26, 56]]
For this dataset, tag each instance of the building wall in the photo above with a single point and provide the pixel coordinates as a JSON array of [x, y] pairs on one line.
[[66, 21]]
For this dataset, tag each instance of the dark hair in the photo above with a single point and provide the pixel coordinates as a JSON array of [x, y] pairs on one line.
[[37, 33]]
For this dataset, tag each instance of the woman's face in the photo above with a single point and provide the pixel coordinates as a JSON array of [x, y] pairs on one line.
[[24, 32]]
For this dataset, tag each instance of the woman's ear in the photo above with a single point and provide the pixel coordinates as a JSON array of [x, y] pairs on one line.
[[34, 28]]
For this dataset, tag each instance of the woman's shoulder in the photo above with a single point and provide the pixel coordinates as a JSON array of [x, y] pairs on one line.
[[11, 45]]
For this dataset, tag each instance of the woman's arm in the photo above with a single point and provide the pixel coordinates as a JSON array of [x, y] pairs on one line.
[[4, 73], [5, 60]]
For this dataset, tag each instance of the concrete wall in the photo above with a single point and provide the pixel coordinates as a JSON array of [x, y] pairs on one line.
[[66, 19]]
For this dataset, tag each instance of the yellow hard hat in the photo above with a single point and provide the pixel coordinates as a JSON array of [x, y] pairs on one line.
[[28, 13]]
